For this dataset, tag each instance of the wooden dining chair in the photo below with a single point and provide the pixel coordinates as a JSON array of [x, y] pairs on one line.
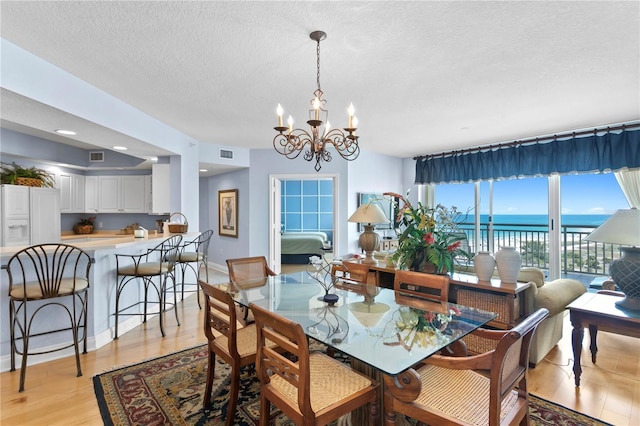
[[419, 284], [228, 339], [357, 271], [310, 389], [450, 391], [248, 268]]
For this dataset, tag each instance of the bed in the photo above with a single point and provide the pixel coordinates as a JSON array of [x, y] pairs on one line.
[[296, 247]]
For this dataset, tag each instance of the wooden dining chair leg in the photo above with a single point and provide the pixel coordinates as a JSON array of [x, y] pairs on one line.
[[211, 370], [265, 410], [233, 395]]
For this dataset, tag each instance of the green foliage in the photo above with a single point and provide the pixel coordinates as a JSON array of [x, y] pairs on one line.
[[10, 172], [428, 235]]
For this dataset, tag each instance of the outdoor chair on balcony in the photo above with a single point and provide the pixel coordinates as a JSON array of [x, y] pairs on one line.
[[157, 263], [48, 286], [450, 390]]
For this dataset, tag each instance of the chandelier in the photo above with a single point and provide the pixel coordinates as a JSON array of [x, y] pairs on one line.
[[291, 142]]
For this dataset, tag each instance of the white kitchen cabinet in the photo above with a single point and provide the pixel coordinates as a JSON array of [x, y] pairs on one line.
[[160, 185], [91, 198], [45, 215], [72, 192], [122, 194]]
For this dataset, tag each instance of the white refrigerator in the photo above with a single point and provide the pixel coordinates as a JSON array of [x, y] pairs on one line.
[[29, 215]]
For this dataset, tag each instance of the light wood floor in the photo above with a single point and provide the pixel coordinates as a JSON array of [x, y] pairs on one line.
[[610, 389]]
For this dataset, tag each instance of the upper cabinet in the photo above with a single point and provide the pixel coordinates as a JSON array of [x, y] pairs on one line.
[[160, 184], [122, 194], [72, 192], [91, 194]]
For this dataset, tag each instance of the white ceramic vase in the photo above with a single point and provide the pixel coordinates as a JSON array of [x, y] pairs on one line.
[[483, 265], [508, 262]]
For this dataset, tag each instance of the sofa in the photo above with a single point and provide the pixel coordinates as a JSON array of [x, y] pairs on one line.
[[554, 295]]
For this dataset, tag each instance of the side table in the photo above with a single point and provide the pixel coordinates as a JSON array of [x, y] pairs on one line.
[[598, 311]]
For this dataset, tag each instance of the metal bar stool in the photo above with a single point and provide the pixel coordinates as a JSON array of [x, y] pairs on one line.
[[156, 262], [193, 255], [40, 277]]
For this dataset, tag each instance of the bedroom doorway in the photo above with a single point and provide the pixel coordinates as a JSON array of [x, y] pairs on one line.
[[276, 211]]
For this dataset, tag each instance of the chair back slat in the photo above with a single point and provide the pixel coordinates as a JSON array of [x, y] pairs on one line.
[[248, 268], [357, 271], [511, 360], [49, 265], [219, 315], [422, 285], [288, 336]]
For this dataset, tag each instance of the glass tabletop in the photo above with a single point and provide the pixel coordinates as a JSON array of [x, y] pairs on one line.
[[384, 329]]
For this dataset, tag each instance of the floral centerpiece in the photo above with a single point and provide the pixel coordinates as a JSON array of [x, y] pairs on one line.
[[429, 238], [417, 326]]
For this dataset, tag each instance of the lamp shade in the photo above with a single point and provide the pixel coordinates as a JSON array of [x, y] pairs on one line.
[[622, 228], [369, 213]]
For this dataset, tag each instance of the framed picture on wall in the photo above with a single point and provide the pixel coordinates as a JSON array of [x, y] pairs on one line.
[[228, 213], [385, 203]]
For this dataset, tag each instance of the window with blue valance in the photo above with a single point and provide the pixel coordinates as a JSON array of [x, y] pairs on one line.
[[591, 153]]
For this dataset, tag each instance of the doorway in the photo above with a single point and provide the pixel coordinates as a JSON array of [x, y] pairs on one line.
[[275, 213]]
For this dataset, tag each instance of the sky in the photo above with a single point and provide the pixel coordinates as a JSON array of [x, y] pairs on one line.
[[580, 194]]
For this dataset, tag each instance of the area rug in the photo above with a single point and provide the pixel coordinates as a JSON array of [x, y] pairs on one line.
[[168, 391]]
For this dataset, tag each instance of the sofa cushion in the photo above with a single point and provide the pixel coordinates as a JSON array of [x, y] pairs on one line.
[[557, 294], [530, 274]]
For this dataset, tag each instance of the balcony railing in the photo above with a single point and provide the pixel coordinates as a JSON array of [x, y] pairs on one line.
[[532, 242]]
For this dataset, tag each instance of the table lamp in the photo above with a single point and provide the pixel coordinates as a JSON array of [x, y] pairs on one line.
[[623, 228], [369, 214]]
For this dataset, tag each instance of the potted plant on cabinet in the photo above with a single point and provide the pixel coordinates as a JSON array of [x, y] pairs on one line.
[[14, 174], [85, 226]]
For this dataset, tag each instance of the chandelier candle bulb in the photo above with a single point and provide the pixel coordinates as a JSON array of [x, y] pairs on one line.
[[316, 107], [279, 112], [350, 110], [290, 122]]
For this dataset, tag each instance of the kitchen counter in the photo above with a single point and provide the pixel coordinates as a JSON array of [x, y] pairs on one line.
[[102, 247]]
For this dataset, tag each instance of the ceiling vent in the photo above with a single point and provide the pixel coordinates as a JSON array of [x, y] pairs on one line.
[[225, 153], [96, 156]]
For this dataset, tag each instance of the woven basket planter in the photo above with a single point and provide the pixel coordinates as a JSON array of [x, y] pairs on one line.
[[83, 229], [28, 182]]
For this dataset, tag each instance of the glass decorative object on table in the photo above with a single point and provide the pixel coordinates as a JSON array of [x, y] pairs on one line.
[[319, 269]]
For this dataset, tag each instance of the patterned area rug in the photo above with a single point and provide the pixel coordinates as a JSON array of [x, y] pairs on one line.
[[168, 391]]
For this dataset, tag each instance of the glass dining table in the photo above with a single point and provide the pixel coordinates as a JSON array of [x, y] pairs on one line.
[[386, 330]]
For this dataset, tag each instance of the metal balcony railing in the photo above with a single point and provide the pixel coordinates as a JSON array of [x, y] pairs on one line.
[[532, 242]]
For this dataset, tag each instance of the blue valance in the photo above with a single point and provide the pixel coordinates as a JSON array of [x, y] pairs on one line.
[[595, 153]]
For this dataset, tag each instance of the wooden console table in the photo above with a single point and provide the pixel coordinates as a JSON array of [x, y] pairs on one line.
[[509, 301], [598, 311]]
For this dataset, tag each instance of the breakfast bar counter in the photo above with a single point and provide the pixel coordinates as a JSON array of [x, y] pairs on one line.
[[102, 248]]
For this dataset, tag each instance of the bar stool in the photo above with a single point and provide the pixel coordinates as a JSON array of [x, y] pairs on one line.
[[156, 262], [42, 275], [193, 255]]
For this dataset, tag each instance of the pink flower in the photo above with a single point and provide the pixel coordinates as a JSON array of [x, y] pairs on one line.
[[428, 238], [453, 247]]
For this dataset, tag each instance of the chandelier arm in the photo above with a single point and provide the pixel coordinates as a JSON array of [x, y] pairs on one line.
[[291, 145], [346, 146]]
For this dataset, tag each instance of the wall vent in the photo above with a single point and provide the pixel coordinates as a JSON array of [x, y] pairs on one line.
[[225, 153], [96, 156]]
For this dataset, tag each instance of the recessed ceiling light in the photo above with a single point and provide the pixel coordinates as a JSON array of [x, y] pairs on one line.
[[204, 170], [66, 132], [120, 148]]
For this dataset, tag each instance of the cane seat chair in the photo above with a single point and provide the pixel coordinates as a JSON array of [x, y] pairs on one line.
[[193, 255], [245, 269], [156, 263], [451, 391], [309, 388], [48, 284], [228, 339], [421, 285]]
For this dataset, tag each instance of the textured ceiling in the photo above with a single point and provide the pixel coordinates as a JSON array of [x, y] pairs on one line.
[[424, 77]]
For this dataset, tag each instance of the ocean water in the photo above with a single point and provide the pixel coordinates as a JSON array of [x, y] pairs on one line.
[[573, 221]]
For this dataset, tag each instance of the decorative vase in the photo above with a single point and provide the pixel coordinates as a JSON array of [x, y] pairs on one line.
[[484, 265], [508, 262]]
